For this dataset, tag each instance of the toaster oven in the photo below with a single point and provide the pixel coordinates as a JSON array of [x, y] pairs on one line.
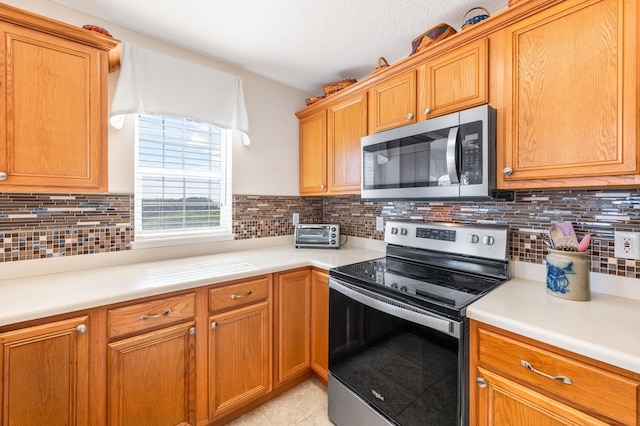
[[317, 235]]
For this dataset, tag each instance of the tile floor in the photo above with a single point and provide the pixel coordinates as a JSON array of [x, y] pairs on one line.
[[305, 404]]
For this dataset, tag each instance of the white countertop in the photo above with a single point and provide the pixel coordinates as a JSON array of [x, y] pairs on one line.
[[604, 328], [40, 296]]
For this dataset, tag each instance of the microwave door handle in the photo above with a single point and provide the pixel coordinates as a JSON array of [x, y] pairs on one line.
[[451, 156]]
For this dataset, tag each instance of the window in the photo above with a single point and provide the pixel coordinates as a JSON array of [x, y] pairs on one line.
[[183, 181]]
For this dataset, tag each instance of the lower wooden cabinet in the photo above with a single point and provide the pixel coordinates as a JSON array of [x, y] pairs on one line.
[[197, 358], [239, 357], [505, 402], [151, 378], [320, 324], [293, 314], [519, 381], [45, 374]]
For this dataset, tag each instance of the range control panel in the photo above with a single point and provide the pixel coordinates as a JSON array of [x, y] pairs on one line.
[[484, 241]]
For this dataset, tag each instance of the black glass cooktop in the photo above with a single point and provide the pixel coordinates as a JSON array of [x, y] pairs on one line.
[[425, 286]]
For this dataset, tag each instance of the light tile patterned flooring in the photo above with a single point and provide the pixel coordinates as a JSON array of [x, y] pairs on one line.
[[305, 404]]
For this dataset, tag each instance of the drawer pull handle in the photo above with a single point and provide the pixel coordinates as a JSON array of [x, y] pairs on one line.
[[163, 314], [240, 296], [563, 379]]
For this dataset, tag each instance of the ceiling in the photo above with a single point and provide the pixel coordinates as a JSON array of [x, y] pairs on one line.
[[301, 43]]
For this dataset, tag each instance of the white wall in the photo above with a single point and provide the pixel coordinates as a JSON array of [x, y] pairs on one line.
[[269, 166]]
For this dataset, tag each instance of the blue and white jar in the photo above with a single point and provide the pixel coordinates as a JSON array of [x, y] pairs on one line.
[[568, 275]]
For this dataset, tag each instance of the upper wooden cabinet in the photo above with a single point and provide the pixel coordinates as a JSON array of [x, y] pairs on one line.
[[393, 102], [347, 121], [454, 81], [330, 147], [53, 113], [45, 374], [313, 154], [571, 108]]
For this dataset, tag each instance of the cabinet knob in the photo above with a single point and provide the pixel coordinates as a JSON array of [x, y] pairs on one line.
[[507, 171], [82, 328], [322, 186], [192, 331], [427, 110], [214, 325], [481, 382], [3, 176], [409, 116]]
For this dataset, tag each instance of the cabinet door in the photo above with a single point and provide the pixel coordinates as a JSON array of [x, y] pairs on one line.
[[45, 374], [54, 136], [313, 154], [456, 80], [393, 102], [152, 378], [293, 294], [320, 324], [239, 357], [571, 96], [503, 402], [347, 124]]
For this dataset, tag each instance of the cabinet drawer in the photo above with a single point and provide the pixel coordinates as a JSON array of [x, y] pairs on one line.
[[241, 294], [147, 315], [589, 387]]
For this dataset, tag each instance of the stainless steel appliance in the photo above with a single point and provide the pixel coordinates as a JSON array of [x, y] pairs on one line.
[[398, 334], [447, 157], [317, 235]]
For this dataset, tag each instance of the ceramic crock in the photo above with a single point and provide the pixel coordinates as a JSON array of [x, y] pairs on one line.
[[568, 274]]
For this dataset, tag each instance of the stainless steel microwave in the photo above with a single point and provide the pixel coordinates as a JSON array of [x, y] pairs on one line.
[[317, 235], [447, 157]]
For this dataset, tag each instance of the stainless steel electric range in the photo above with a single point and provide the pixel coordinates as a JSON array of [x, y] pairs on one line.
[[398, 333]]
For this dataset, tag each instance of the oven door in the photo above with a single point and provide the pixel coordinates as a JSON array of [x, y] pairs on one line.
[[390, 364]]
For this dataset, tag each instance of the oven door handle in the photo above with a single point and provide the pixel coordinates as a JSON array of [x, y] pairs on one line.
[[423, 318]]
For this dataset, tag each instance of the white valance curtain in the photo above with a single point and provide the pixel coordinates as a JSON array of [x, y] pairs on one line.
[[152, 83]]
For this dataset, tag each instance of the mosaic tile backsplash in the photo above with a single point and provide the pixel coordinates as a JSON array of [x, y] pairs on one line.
[[49, 225]]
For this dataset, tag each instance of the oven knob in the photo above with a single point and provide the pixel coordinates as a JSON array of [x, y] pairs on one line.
[[333, 229], [394, 285], [333, 242], [333, 235], [394, 230], [403, 288], [404, 231], [473, 238], [488, 240]]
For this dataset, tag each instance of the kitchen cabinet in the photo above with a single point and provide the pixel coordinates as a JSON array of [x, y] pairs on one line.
[[313, 154], [151, 374], [330, 147], [455, 81], [240, 344], [293, 313], [347, 124], [45, 374], [393, 102], [571, 97], [53, 84], [320, 324], [516, 380]]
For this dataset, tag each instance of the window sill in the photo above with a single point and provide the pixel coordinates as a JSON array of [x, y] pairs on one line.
[[179, 241]]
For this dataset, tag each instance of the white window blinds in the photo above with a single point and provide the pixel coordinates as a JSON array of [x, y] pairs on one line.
[[183, 178]]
